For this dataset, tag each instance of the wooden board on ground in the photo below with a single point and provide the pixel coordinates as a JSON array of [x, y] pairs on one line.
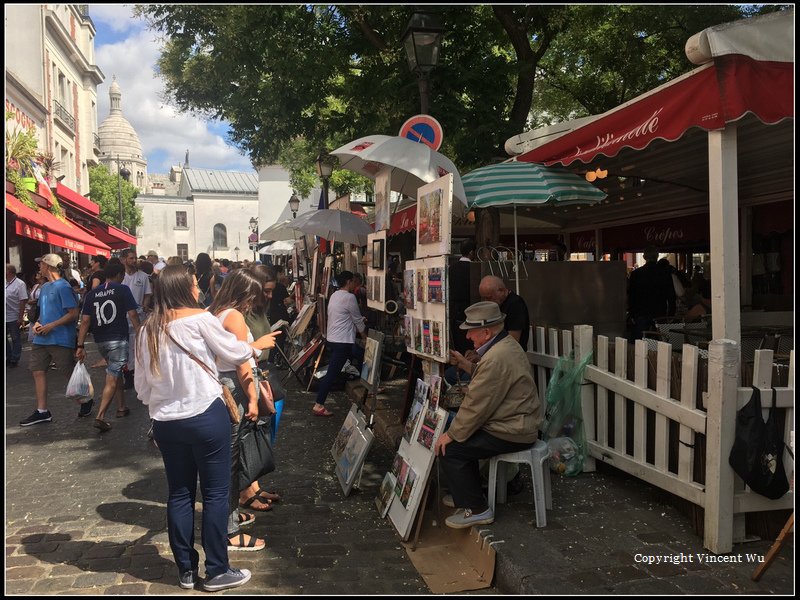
[[452, 560]]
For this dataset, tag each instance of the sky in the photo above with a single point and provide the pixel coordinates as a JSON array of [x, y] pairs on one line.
[[126, 48]]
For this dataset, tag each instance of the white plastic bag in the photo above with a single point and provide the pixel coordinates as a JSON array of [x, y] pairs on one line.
[[80, 383]]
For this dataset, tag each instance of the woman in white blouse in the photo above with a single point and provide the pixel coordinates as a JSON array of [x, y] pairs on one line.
[[191, 423]]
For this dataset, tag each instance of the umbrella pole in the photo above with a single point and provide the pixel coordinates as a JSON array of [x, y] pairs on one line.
[[516, 249]]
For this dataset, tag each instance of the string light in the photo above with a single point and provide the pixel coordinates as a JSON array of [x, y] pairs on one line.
[[596, 174]]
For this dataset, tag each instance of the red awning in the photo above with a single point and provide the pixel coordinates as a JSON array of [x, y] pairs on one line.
[[403, 220], [707, 97], [72, 197], [42, 226], [111, 236]]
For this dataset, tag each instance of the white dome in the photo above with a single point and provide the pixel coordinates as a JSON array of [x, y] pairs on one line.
[[117, 136]]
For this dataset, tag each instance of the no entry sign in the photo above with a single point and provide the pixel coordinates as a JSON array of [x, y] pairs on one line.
[[424, 129]]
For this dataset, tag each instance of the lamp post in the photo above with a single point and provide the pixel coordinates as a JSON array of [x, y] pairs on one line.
[[294, 204], [254, 236], [422, 39], [236, 253], [122, 173], [324, 170]]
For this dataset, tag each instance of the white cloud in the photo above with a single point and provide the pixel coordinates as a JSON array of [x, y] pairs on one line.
[[165, 134]]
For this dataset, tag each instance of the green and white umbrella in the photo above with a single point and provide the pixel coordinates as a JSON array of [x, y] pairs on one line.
[[526, 184]]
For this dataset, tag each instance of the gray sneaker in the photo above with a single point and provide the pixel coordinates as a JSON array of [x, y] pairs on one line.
[[188, 579], [230, 579], [462, 519], [448, 501]]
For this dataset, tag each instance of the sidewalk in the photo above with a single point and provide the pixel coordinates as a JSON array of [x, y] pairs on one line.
[[85, 514]]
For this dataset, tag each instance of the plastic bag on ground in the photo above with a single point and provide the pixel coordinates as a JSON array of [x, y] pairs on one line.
[[80, 383], [563, 425]]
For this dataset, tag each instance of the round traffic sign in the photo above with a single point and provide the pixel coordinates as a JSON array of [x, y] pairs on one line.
[[424, 129]]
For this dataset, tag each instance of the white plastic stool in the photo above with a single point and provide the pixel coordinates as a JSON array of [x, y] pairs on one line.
[[536, 457]]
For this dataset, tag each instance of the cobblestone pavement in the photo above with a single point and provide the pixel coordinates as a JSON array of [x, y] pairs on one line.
[[85, 514]]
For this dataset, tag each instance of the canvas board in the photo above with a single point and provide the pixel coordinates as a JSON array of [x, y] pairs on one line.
[[430, 325], [376, 277], [385, 494], [434, 216], [383, 192], [351, 459], [371, 367], [303, 320]]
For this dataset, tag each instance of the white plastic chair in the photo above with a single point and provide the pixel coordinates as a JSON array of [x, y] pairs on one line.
[[536, 457]]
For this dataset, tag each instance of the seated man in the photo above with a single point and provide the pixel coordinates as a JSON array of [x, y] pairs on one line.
[[500, 413]]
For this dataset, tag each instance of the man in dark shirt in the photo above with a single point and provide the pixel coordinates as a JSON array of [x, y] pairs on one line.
[[517, 323], [651, 294], [106, 310]]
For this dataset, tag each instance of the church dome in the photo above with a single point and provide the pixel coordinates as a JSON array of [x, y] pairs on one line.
[[117, 135]]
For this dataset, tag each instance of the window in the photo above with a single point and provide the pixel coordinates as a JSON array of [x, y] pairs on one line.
[[180, 218], [220, 236], [183, 251]]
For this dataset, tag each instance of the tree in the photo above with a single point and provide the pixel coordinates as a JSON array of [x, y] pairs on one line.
[[103, 190], [291, 78]]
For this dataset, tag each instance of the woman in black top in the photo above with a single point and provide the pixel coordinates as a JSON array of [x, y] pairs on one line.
[[204, 273]]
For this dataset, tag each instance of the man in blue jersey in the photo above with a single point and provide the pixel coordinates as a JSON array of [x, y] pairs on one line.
[[54, 333], [106, 310]]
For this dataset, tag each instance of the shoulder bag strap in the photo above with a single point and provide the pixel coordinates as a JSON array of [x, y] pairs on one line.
[[193, 357]]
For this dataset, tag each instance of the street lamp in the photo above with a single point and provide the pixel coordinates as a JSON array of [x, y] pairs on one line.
[[324, 170], [122, 173], [254, 236], [422, 39], [294, 204], [236, 253]]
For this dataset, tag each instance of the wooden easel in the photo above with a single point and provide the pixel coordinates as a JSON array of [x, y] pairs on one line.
[[772, 553]]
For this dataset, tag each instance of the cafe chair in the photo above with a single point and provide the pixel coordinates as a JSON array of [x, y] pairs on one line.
[[537, 458]]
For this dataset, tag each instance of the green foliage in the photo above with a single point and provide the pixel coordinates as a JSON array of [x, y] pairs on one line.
[[21, 149], [103, 189], [294, 78]]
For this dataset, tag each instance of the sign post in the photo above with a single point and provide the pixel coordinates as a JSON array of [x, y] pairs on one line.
[[423, 129]]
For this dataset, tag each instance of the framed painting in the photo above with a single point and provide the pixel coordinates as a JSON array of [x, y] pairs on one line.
[[378, 254], [382, 198]]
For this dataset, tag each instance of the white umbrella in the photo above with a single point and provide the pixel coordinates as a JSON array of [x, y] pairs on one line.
[[413, 164], [284, 230], [282, 247], [335, 225]]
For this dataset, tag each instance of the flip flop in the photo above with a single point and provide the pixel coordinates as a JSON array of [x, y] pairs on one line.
[[102, 425], [255, 498], [123, 412], [322, 413], [250, 546]]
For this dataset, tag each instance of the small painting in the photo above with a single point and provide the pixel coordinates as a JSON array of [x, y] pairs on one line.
[[427, 431], [430, 216], [378, 254], [408, 487], [382, 197], [386, 494]]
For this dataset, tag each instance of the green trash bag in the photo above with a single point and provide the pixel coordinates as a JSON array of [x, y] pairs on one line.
[[563, 425]]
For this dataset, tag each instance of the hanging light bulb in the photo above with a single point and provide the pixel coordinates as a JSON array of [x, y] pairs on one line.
[[591, 176], [601, 174]]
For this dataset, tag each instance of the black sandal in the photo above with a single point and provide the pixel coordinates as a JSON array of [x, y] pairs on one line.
[[271, 497], [256, 498], [246, 519], [244, 547]]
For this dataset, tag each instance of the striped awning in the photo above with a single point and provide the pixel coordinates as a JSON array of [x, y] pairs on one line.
[[527, 184]]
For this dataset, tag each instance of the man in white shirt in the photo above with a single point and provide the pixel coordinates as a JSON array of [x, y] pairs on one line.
[[344, 319], [16, 300], [139, 283]]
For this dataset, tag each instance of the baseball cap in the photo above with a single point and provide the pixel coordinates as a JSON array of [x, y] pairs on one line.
[[53, 260]]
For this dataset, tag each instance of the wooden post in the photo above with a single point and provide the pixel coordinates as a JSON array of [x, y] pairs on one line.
[[723, 374], [620, 411], [583, 347]]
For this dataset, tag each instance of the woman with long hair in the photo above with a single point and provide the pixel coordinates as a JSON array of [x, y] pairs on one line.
[[257, 320], [191, 423], [234, 298], [204, 274]]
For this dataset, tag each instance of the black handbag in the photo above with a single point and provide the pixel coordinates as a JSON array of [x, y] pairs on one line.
[[255, 451], [757, 453]]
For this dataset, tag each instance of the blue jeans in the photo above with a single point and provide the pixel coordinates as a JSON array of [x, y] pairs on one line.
[[197, 445], [116, 354], [340, 352], [13, 342]]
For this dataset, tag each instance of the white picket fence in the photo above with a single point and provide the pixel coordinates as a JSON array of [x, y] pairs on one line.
[[659, 458]]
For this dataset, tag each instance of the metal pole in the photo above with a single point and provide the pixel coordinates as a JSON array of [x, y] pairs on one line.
[[119, 192], [516, 251], [423, 93]]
